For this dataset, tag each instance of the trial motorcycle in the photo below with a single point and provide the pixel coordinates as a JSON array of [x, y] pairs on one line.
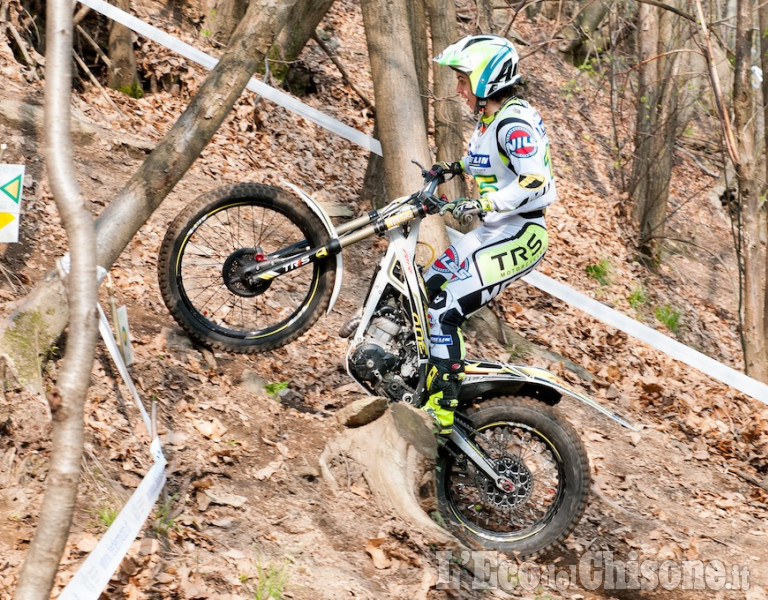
[[250, 267]]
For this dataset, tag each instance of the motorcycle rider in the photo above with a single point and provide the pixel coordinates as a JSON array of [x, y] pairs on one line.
[[508, 157]]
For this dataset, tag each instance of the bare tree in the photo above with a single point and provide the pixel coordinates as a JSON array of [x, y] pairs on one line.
[[417, 20], [222, 18], [399, 114], [122, 59], [750, 212], [751, 199], [42, 316], [580, 34], [66, 402], [661, 115], [449, 135], [484, 22], [291, 40]]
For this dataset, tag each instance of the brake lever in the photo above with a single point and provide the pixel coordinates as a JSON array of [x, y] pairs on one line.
[[469, 216]]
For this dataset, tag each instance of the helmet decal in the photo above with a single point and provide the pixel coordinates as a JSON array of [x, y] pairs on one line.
[[489, 61]]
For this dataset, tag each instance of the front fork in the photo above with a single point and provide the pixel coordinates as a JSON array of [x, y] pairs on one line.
[[478, 457]]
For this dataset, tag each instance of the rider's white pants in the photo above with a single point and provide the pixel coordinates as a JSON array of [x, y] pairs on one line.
[[474, 270]]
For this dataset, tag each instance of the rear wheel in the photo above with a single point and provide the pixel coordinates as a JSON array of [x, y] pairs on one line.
[[217, 235], [544, 459]]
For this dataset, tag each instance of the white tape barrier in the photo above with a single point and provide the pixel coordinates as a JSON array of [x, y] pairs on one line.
[[259, 87], [94, 574], [612, 317], [673, 348], [117, 357]]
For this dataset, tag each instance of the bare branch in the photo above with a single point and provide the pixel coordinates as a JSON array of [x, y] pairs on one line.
[[730, 143], [324, 47]]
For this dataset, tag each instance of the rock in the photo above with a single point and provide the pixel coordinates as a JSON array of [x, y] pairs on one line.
[[416, 427], [252, 383], [362, 411]]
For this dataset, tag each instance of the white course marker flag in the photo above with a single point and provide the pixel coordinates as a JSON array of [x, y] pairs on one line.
[[11, 186], [650, 336]]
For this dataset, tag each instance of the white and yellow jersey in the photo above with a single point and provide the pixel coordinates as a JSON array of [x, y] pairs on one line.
[[508, 156]]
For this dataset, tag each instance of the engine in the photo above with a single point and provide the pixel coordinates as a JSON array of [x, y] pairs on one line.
[[386, 360]]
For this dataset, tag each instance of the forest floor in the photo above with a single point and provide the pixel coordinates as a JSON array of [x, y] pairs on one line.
[[245, 505]]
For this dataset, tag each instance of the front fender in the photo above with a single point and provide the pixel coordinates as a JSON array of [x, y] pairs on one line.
[[326, 220]]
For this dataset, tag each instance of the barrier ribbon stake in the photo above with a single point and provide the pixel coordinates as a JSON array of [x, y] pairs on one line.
[[94, 574]]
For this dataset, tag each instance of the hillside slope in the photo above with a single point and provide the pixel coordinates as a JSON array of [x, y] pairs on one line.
[[245, 502]]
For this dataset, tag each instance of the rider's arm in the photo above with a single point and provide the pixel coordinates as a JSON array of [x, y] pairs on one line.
[[526, 148]]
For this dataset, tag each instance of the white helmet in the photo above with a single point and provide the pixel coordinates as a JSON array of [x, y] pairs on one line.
[[490, 62]]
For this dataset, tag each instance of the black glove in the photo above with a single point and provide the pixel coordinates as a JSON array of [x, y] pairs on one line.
[[453, 168]]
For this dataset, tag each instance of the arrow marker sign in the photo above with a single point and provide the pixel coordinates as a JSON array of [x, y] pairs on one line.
[[11, 177]]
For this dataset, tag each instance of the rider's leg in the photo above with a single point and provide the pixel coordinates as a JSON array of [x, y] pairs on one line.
[[445, 369], [443, 381], [465, 278]]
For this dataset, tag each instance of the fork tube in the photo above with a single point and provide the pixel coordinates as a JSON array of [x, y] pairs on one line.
[[344, 227], [476, 456], [356, 236]]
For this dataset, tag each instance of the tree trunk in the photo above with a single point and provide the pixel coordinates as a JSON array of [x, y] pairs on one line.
[[484, 22], [291, 40], [66, 402], [752, 209], [449, 134], [374, 186], [222, 19], [392, 468], [417, 19], [399, 114], [580, 35], [122, 69], [44, 310], [763, 24], [659, 118]]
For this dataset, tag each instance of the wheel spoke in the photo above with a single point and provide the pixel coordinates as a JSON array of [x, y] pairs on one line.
[[231, 236]]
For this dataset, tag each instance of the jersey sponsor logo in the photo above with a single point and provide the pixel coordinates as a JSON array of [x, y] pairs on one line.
[[520, 142], [444, 340], [479, 161], [510, 258], [450, 262]]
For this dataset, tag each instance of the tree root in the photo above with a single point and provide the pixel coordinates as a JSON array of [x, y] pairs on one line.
[[391, 467]]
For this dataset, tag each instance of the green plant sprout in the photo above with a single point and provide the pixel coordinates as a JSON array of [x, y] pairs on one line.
[[600, 272], [637, 297], [669, 317], [273, 389]]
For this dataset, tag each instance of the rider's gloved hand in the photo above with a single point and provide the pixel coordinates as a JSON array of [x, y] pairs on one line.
[[462, 206], [447, 168]]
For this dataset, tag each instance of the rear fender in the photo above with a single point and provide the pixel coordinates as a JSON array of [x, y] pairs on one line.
[[326, 220]]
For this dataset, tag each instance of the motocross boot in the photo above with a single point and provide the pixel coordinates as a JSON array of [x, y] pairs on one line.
[[444, 377]]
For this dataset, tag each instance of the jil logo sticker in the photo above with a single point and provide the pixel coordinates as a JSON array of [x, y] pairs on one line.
[[520, 142]]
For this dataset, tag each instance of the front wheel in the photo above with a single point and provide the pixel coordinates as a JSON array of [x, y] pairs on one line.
[[214, 238], [540, 454]]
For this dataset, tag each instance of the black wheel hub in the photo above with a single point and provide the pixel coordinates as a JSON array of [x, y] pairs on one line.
[[519, 480], [232, 272]]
